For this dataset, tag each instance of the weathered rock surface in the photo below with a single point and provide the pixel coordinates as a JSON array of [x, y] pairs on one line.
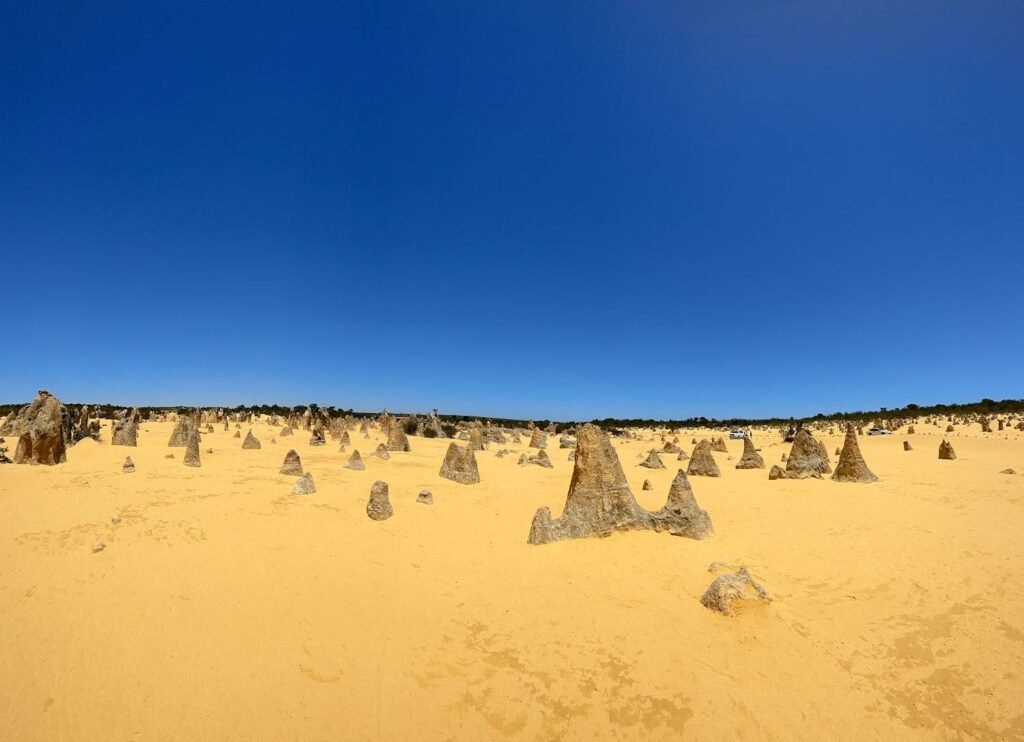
[[599, 501], [379, 506], [397, 439], [129, 466], [251, 442], [124, 431], [355, 461], [750, 459], [730, 591], [292, 465], [653, 461], [807, 457], [425, 497], [702, 461], [192, 448], [41, 430], [538, 439], [304, 485], [460, 465], [946, 451], [851, 466]]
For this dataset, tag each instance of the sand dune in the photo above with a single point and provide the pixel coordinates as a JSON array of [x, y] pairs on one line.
[[225, 608]]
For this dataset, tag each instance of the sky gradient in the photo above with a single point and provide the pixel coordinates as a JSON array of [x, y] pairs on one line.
[[521, 209]]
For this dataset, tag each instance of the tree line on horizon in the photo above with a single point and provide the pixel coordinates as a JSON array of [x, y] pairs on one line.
[[985, 407]]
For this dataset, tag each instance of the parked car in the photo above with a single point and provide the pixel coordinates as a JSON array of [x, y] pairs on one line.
[[737, 434], [879, 431]]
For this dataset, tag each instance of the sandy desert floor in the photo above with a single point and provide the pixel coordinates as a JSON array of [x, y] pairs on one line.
[[226, 608]]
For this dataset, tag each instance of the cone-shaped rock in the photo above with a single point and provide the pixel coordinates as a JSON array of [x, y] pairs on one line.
[[807, 457], [946, 451], [777, 472], [681, 515], [750, 459], [653, 461], [42, 438], [538, 439], [379, 506], [192, 448], [851, 466], [238, 434], [718, 444], [599, 501], [125, 428], [346, 439], [382, 452], [702, 461], [726, 590], [286, 431], [250, 441], [907, 446], [129, 466], [647, 485], [459, 465], [292, 464], [355, 461], [397, 439], [683, 456], [304, 485], [182, 428]]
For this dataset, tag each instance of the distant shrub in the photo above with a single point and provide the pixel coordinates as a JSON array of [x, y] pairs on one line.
[[410, 427], [429, 433], [450, 430]]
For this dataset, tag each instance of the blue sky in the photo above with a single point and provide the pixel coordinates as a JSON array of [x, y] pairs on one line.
[[533, 209]]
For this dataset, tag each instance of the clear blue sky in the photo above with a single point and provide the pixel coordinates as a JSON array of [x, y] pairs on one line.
[[536, 209]]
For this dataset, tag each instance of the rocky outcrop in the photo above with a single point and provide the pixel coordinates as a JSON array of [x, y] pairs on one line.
[[776, 472], [128, 467], [192, 448], [425, 497], [355, 461], [946, 451], [304, 485], [750, 459], [379, 506], [124, 430], [41, 430], [730, 591], [599, 501], [460, 465], [292, 465], [541, 459], [653, 461], [851, 466], [397, 439], [382, 452], [251, 442], [538, 439], [807, 457], [702, 461]]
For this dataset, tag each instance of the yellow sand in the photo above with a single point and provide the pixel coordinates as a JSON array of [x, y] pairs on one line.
[[225, 608]]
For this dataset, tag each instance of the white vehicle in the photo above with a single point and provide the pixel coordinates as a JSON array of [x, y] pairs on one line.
[[737, 434], [879, 431]]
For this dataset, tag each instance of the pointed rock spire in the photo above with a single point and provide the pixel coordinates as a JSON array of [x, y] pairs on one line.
[[460, 465], [750, 459], [702, 462], [851, 466]]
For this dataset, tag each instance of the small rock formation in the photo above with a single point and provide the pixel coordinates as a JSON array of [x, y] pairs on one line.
[[718, 444], [355, 461], [382, 452], [98, 547], [538, 439], [541, 459], [192, 448], [317, 437], [727, 590], [807, 457], [600, 502], [129, 466], [292, 464], [425, 497], [182, 429], [851, 466], [379, 506], [702, 462], [910, 430], [250, 442], [647, 485], [124, 431], [476, 439], [776, 472], [946, 451], [566, 442], [683, 456], [286, 431], [238, 434], [950, 428], [459, 464], [397, 439], [42, 438], [653, 461], [1008, 471], [907, 446], [750, 459], [671, 447], [346, 439], [304, 485]]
